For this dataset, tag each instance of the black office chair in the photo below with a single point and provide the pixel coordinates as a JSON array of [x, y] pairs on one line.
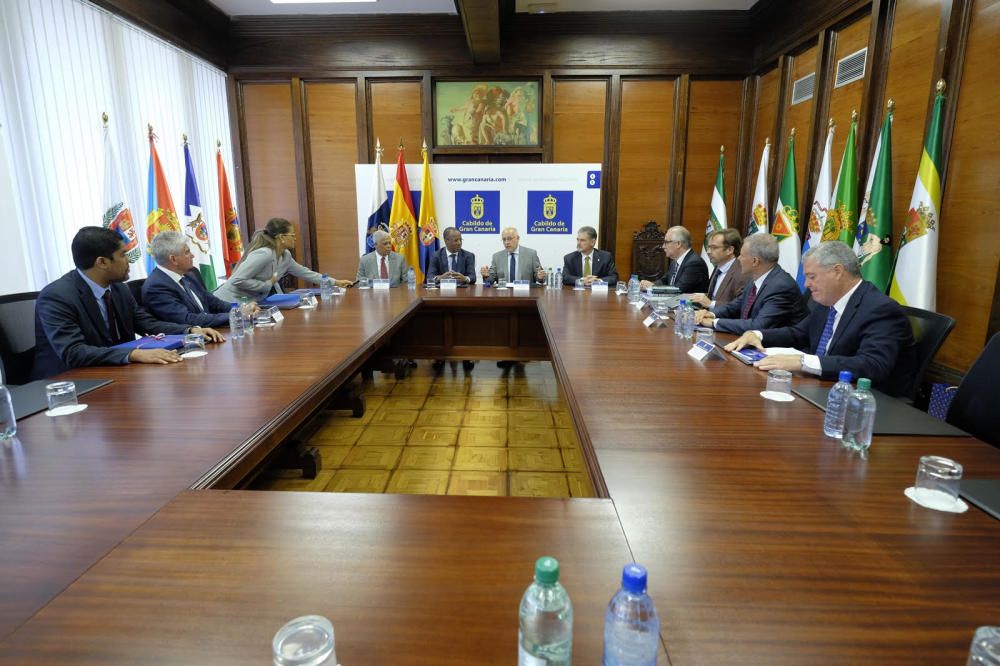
[[17, 336], [930, 330], [974, 407], [135, 286]]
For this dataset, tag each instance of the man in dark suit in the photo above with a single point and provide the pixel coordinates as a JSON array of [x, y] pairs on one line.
[[174, 291], [771, 299], [727, 279], [686, 270], [588, 263], [452, 261], [855, 326], [82, 315]]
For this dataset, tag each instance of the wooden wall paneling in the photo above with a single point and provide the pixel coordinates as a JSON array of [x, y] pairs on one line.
[[237, 140], [714, 122], [273, 190], [578, 118], [969, 246], [610, 185], [766, 117], [678, 152], [331, 110], [647, 119], [873, 99], [396, 114], [779, 142], [847, 98], [745, 168], [548, 108], [909, 84], [952, 43], [306, 240], [994, 327], [366, 144], [800, 118], [780, 26], [815, 138]]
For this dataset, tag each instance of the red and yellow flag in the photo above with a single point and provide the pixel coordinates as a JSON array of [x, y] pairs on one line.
[[232, 248], [160, 212], [403, 221]]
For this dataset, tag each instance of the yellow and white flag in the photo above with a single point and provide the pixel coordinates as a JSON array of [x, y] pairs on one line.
[[914, 280]]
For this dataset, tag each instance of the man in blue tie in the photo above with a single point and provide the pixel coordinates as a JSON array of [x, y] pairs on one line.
[[856, 327], [452, 261], [174, 290]]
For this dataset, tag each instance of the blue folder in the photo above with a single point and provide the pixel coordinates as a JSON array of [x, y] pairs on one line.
[[283, 301], [154, 342]]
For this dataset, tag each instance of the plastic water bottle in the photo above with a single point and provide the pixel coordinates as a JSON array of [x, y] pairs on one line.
[[545, 633], [8, 424], [836, 406], [860, 419], [550, 278], [236, 329], [559, 279], [684, 322], [631, 625], [326, 288], [411, 280], [246, 309], [634, 290]]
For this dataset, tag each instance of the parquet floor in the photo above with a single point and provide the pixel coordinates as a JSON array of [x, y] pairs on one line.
[[489, 431]]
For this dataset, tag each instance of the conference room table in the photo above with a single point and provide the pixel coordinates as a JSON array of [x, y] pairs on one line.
[[124, 536]]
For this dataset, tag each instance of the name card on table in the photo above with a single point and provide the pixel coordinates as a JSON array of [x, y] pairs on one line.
[[380, 284], [522, 286], [599, 288], [654, 320], [701, 350], [277, 316], [448, 284]]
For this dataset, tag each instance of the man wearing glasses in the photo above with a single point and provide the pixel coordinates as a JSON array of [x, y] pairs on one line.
[[685, 270]]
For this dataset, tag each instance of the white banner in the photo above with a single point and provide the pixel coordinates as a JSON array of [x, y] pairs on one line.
[[546, 203]]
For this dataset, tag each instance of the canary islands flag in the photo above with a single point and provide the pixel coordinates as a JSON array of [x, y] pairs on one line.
[[378, 212]]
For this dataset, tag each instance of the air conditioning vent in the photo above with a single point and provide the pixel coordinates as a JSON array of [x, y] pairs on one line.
[[851, 68], [804, 88]]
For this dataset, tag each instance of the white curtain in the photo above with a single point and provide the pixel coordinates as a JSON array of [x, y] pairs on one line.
[[62, 64]]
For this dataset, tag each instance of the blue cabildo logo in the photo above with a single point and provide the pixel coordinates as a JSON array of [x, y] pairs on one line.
[[550, 212], [478, 212]]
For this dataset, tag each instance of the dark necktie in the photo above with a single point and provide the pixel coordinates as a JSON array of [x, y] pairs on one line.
[[673, 273], [452, 262], [109, 308], [748, 304], [713, 283], [383, 271], [513, 265], [824, 339], [190, 293]]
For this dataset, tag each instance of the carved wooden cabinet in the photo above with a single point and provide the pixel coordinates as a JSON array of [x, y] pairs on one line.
[[648, 260]]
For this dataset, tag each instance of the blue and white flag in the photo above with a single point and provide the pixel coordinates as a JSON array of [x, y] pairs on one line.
[[820, 205], [194, 225], [378, 217]]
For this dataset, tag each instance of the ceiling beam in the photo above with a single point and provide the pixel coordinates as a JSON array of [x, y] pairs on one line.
[[481, 20]]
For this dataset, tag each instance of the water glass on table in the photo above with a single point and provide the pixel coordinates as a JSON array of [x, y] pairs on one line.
[[305, 641], [193, 343], [985, 648], [61, 397], [705, 334], [621, 287], [938, 481]]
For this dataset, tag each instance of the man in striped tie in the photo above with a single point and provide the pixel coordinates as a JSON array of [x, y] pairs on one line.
[[855, 326]]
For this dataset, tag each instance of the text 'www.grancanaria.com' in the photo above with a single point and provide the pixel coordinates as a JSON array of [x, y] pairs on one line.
[[483, 179]]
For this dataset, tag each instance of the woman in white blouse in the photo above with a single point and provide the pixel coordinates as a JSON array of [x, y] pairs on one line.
[[267, 260]]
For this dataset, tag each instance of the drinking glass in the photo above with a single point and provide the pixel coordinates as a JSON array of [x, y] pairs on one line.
[[305, 641], [704, 334], [621, 287], [193, 342], [62, 397], [779, 381], [938, 480]]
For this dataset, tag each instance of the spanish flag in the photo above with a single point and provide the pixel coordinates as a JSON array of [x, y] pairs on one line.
[[403, 221], [160, 212]]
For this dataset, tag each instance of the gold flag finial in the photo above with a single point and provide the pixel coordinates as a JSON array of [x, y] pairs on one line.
[[854, 116], [891, 105], [722, 149], [767, 141], [831, 123], [940, 86], [423, 148], [150, 128], [104, 118], [378, 147], [400, 147], [184, 138], [218, 145], [792, 133]]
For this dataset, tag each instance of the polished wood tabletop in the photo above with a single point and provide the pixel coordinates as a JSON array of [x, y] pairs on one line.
[[766, 542]]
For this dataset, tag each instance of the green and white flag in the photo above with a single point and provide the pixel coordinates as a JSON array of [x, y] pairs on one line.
[[758, 208], [873, 240], [717, 215], [842, 219], [786, 218], [914, 281], [820, 205]]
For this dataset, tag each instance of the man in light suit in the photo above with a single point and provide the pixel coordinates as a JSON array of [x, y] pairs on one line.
[[174, 290], [588, 263], [81, 316], [515, 259], [686, 270], [383, 262], [771, 299], [452, 261], [728, 278], [856, 327]]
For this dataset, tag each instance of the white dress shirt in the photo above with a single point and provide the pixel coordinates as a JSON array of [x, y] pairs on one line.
[[723, 269]]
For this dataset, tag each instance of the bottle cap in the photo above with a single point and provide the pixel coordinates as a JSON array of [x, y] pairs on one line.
[[864, 384], [325, 276], [547, 570], [634, 578], [846, 376]]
